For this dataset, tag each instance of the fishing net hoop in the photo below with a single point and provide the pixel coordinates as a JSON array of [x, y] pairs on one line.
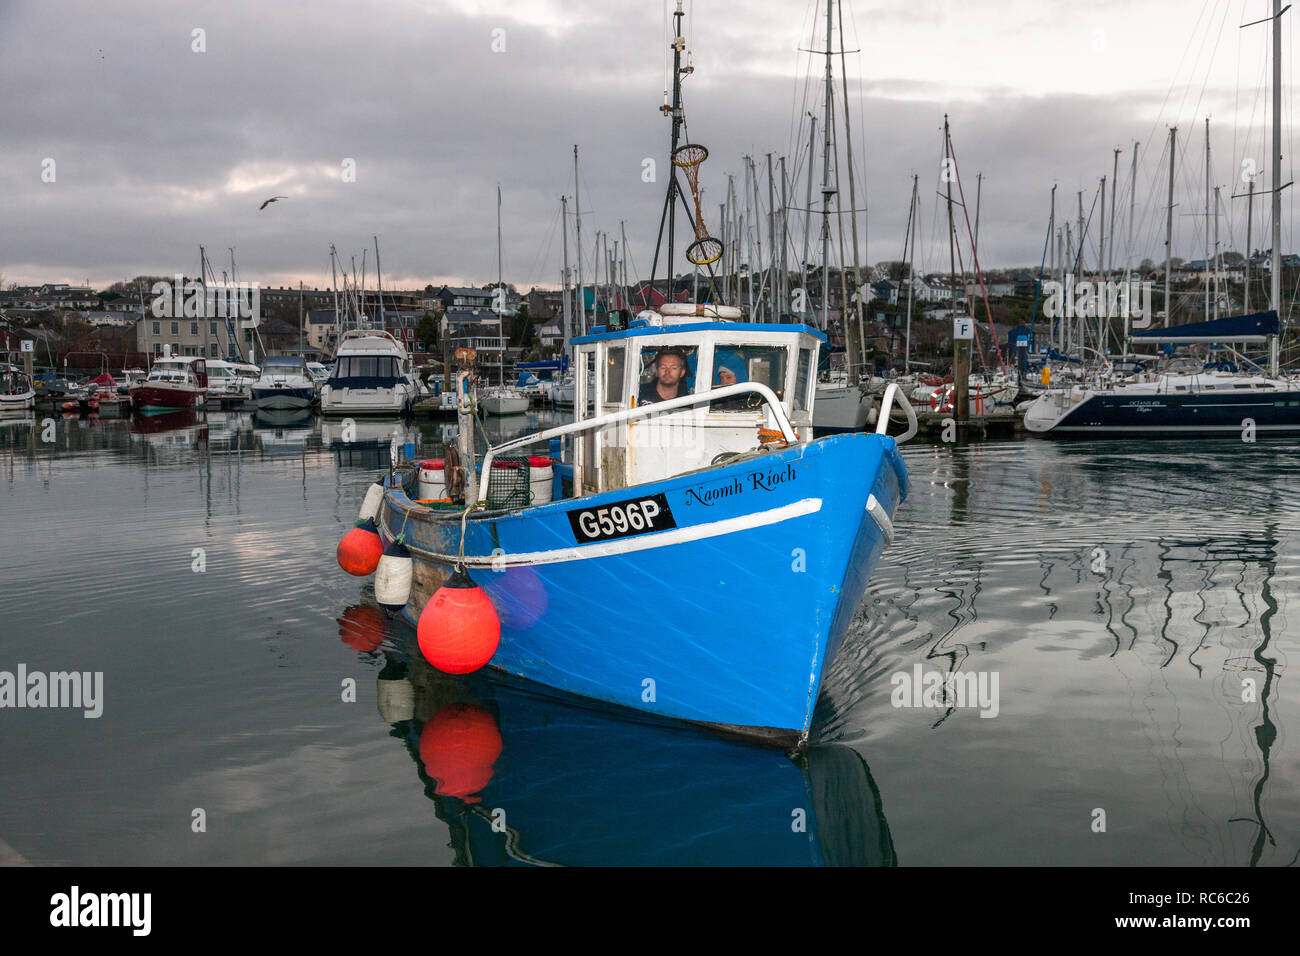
[[704, 251]]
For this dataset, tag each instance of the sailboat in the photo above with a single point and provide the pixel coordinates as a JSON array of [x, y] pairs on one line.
[[701, 555], [502, 399], [1187, 397]]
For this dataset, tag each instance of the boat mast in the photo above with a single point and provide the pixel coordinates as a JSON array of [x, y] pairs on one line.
[[858, 338], [577, 213], [676, 113], [1169, 223], [911, 273], [1206, 260], [807, 205], [564, 276], [334, 279], [1250, 217], [1275, 279], [784, 298], [1114, 223], [500, 296], [623, 295], [379, 279], [1103, 322], [1216, 252], [827, 192], [771, 242]]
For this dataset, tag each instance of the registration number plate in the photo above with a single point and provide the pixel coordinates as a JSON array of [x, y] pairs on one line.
[[622, 519]]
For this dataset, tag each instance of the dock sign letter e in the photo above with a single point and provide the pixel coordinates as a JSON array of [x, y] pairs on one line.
[[962, 327]]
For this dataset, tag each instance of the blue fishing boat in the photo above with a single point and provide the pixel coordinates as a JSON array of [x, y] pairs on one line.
[[687, 549], [701, 556]]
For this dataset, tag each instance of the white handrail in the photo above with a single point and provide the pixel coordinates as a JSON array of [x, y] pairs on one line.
[[882, 421], [642, 411]]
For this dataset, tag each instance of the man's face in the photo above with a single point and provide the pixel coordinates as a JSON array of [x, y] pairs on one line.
[[670, 370], [726, 376]]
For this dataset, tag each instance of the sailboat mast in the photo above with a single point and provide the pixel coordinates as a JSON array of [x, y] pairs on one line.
[[1216, 252], [577, 215], [771, 243], [1250, 223], [1114, 223], [827, 192], [911, 273], [1206, 261], [379, 279], [807, 204], [784, 297], [501, 295], [858, 337], [564, 278], [334, 280], [624, 297], [1275, 279], [1169, 224]]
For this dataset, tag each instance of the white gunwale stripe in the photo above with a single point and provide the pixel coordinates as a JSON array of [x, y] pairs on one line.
[[645, 542]]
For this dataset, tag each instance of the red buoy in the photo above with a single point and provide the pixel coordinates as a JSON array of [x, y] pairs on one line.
[[458, 748], [360, 549], [363, 627], [459, 629]]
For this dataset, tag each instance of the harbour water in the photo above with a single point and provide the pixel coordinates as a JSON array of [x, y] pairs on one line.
[[1121, 615]]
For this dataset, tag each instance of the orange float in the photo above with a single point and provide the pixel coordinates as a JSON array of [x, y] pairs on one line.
[[459, 629]]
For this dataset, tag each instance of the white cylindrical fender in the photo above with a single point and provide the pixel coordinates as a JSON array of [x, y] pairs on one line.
[[370, 506], [393, 577]]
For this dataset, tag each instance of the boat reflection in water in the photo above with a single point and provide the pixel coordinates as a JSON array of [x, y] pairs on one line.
[[523, 778], [358, 443]]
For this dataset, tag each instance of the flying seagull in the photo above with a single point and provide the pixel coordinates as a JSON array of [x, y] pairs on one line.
[[269, 201]]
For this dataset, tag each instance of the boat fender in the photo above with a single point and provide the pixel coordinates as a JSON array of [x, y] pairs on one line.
[[374, 498], [393, 576], [459, 629], [360, 549]]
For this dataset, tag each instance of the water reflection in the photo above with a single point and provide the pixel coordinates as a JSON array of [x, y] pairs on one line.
[[522, 778], [1132, 597]]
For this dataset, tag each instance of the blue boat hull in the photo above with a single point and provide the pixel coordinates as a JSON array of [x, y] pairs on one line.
[[729, 618], [1184, 414]]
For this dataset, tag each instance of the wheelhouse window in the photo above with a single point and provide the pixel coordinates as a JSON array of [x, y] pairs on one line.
[[666, 373], [801, 380], [763, 364], [615, 359]]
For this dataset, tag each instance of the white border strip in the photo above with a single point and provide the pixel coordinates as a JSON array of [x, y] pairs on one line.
[[604, 549]]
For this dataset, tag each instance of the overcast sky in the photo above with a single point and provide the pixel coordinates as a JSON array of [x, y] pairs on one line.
[[158, 148]]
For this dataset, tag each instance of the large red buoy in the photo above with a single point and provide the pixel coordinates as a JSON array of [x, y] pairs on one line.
[[458, 748], [360, 550], [363, 627], [459, 629]]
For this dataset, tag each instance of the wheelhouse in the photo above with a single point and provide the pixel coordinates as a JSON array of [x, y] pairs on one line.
[[620, 370]]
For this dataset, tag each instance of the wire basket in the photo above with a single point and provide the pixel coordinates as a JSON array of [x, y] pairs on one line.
[[508, 484]]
